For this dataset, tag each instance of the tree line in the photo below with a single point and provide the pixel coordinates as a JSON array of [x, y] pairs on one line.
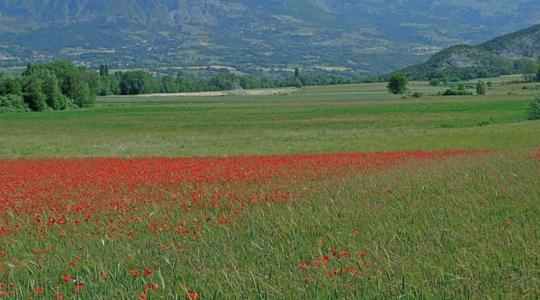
[[494, 67], [55, 86], [62, 85], [142, 82]]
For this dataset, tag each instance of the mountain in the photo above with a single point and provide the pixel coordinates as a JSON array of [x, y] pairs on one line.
[[517, 52], [361, 36]]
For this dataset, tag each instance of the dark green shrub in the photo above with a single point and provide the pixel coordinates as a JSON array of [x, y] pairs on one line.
[[451, 92], [435, 82]]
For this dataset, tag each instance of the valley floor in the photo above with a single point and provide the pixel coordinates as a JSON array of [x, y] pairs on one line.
[[141, 198]]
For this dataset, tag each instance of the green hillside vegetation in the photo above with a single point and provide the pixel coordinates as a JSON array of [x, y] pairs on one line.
[[358, 37], [516, 53]]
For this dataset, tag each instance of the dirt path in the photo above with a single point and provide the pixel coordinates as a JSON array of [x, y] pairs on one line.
[[257, 92]]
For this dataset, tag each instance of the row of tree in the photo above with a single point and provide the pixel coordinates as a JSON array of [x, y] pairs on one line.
[[141, 82], [398, 83], [55, 86], [493, 66], [62, 85]]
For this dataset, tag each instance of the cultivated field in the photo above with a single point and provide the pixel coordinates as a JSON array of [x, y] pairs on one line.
[[340, 192]]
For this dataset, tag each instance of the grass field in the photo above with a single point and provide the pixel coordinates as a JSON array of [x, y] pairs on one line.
[[392, 223], [314, 120]]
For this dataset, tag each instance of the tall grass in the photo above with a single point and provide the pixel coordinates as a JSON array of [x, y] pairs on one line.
[[461, 228]]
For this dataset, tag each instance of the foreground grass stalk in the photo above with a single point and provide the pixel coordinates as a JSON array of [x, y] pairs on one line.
[[464, 227]]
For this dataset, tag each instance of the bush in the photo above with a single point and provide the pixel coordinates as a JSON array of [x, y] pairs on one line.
[[435, 82], [451, 92], [481, 88], [417, 95], [12, 103], [533, 112]]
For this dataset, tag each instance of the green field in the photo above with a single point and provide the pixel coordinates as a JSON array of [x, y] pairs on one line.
[[347, 118], [464, 227]]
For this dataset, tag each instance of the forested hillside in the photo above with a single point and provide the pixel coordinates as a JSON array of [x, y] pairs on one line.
[[516, 53], [340, 36]]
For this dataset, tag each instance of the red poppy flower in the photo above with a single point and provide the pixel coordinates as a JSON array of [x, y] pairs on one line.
[[135, 273], [143, 296], [325, 260], [148, 272], [193, 295]]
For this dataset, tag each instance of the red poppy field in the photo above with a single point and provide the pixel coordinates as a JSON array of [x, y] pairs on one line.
[[321, 225], [69, 192]]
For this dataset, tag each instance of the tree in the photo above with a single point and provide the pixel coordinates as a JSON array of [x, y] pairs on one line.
[[533, 112], [32, 94], [12, 103], [168, 84], [51, 90], [29, 69], [296, 72], [481, 88], [538, 75], [398, 83], [137, 82], [83, 96], [103, 70], [11, 87]]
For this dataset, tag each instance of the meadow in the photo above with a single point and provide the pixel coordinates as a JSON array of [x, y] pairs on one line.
[[341, 192], [315, 120]]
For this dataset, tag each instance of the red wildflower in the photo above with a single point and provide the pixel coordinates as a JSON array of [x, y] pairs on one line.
[[325, 259], [135, 273], [362, 254], [148, 272], [38, 290], [303, 266], [193, 295], [66, 278]]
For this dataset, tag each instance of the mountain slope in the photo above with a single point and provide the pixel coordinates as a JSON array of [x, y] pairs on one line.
[[371, 36], [511, 53]]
